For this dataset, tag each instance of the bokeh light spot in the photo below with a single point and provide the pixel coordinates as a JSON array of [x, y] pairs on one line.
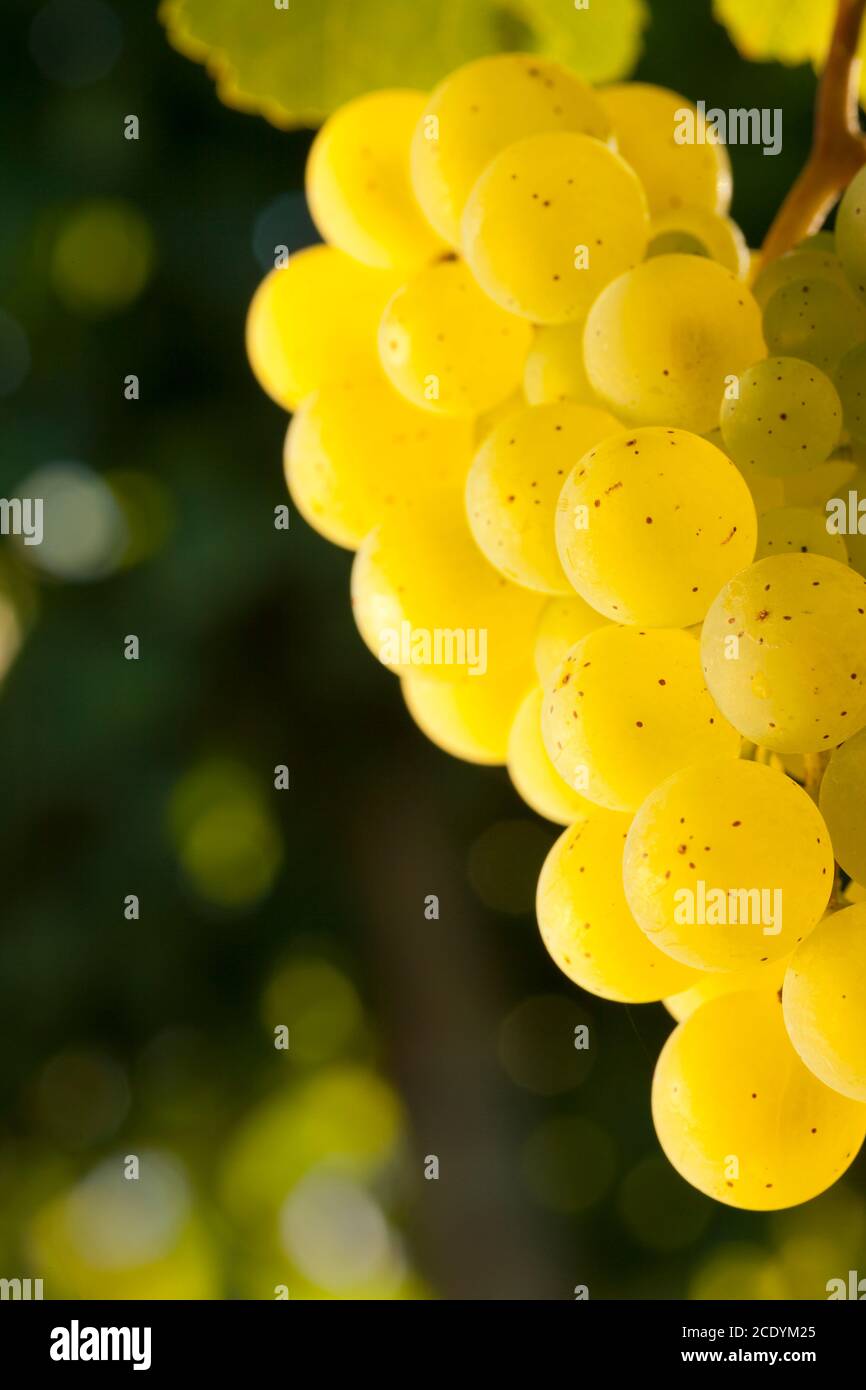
[[84, 533], [81, 1098], [227, 839], [504, 864], [537, 1045], [14, 354], [569, 1163], [284, 222], [75, 42], [102, 258], [317, 1004], [739, 1272], [660, 1210], [337, 1235]]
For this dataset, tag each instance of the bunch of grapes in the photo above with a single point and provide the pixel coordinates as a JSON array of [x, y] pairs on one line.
[[587, 449]]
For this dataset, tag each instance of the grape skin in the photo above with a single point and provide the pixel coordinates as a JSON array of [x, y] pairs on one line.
[[534, 777], [786, 417], [824, 1001]]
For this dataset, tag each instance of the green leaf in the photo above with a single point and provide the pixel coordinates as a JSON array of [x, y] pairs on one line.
[[787, 31], [296, 65]]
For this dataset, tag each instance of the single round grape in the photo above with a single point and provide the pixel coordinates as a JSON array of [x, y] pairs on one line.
[[806, 264], [650, 525], [728, 864], [626, 709], [554, 369], [356, 448], [816, 320], [738, 1114], [576, 217], [710, 984], [425, 599], [470, 719], [798, 531], [824, 1001], [663, 340], [585, 922], [446, 347], [533, 774], [851, 231], [851, 384], [314, 321], [563, 622], [843, 805], [358, 186], [479, 110], [784, 652], [514, 485], [786, 418], [645, 120], [695, 231]]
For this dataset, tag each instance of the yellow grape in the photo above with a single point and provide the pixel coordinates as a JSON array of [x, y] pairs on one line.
[[645, 119], [356, 448], [585, 922], [798, 531], [816, 320], [767, 492], [850, 381], [784, 652], [728, 864], [805, 263], [314, 321], [486, 423], [358, 184], [470, 719], [425, 599], [479, 110], [531, 770], [786, 417], [850, 237], [626, 709], [738, 1114], [696, 231], [710, 984], [814, 488], [554, 369], [446, 347], [563, 622], [514, 485], [576, 217], [843, 804], [662, 341], [824, 1001], [651, 523]]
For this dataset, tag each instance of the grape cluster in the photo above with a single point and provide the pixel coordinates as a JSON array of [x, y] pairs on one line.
[[585, 447]]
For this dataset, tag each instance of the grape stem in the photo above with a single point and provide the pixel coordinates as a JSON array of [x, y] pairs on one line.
[[838, 144]]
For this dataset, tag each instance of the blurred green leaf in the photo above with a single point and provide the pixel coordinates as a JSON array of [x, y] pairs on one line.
[[787, 31], [295, 65]]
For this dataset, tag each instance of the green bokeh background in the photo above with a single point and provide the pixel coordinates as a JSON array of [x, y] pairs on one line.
[[249, 659]]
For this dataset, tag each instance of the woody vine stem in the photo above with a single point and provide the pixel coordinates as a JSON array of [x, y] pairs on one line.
[[838, 144]]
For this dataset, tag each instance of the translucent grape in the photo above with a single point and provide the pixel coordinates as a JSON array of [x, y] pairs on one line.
[[514, 485], [814, 488], [576, 217], [356, 448], [843, 805], [425, 599], [585, 922], [479, 110], [695, 231], [710, 984], [850, 233], [805, 264], [358, 185], [786, 419], [798, 530], [645, 119], [554, 369], [470, 719], [738, 1114], [767, 492], [728, 864], [651, 524], [314, 322], [446, 347], [662, 341], [563, 622], [851, 384], [824, 1001], [784, 652], [532, 772], [626, 709], [816, 320]]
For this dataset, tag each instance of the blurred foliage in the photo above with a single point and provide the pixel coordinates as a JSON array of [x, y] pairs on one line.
[[295, 61], [153, 1036]]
